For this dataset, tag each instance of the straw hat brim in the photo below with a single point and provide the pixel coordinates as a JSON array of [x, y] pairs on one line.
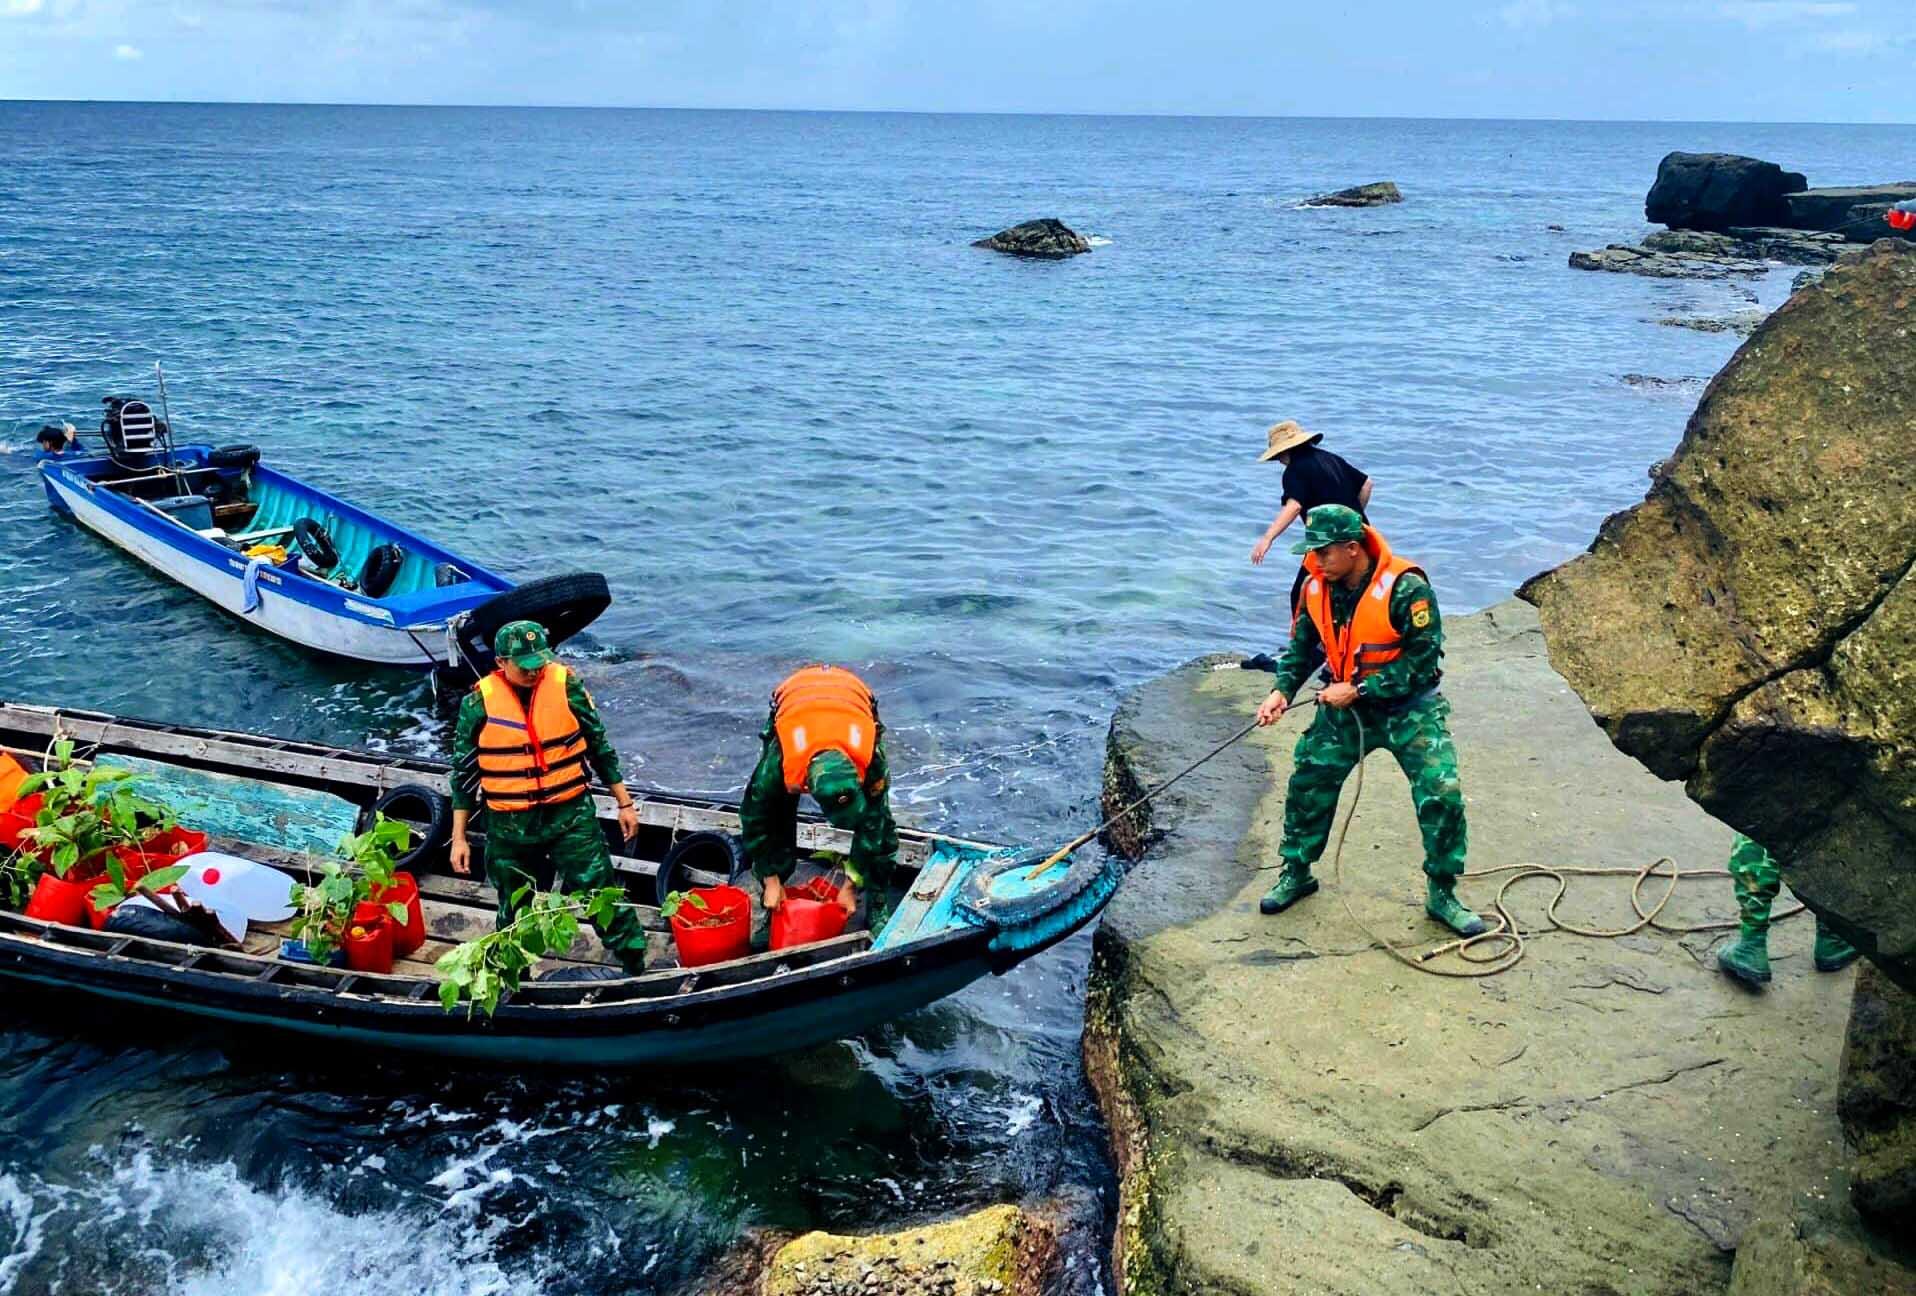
[[1294, 441]]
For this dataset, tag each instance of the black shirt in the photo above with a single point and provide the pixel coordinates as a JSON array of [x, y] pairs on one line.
[[1315, 477]]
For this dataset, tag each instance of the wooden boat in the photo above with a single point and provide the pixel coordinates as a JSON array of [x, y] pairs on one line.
[[969, 910], [336, 579]]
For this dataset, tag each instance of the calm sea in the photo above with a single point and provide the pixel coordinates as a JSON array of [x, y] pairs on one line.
[[747, 365]]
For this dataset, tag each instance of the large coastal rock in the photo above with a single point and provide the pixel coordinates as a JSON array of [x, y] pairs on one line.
[[1377, 194], [1876, 1098], [1293, 1112], [1856, 212], [1748, 627], [1623, 258], [999, 1251], [1047, 239], [1713, 191]]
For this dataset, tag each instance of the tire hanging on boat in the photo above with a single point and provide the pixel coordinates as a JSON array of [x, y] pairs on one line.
[[316, 544], [419, 806], [381, 570], [564, 605]]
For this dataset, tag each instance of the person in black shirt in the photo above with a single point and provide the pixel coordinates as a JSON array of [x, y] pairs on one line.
[[1312, 476]]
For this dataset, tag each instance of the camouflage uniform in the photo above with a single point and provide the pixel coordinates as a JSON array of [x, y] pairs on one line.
[[1401, 712], [1758, 880], [560, 846]]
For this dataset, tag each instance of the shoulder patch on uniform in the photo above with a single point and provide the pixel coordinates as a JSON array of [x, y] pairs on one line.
[[1420, 613]]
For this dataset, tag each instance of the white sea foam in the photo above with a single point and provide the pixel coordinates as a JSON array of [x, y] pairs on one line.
[[1097, 240]]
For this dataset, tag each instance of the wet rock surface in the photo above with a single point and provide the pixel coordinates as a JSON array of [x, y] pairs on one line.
[[1877, 1099], [999, 1251], [1748, 626], [1292, 1111], [1856, 211], [1377, 194], [1047, 239], [1622, 258]]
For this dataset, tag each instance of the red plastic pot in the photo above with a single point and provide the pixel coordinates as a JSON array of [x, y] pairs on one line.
[[12, 775], [720, 931], [163, 850], [411, 934], [61, 900], [372, 949], [809, 913], [17, 818]]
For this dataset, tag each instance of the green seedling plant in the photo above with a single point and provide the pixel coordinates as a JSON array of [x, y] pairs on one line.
[[481, 971], [86, 812], [675, 901], [323, 910]]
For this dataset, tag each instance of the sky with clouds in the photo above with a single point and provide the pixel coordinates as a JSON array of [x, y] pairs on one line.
[[1716, 60]]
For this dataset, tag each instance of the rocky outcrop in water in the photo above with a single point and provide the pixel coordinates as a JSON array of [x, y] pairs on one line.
[[1293, 1112], [1047, 239], [1713, 191], [1377, 194], [1697, 254], [999, 1251], [1748, 626], [1856, 213]]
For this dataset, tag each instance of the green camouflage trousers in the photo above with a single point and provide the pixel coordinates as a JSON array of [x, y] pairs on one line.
[[1757, 880], [1419, 737], [560, 847]]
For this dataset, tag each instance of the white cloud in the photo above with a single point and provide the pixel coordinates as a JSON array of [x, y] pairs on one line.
[[1768, 13], [190, 21], [1528, 15], [21, 8], [128, 53]]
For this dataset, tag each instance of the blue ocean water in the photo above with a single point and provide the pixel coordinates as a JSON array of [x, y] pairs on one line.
[[748, 365]]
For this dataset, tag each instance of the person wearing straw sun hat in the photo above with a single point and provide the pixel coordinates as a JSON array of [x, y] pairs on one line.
[[1313, 477]]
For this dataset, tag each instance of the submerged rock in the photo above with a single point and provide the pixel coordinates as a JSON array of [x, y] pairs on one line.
[[1292, 1111], [1876, 1099], [1743, 324], [1047, 239], [1626, 259], [1748, 626], [1713, 191], [1378, 194], [999, 1251]]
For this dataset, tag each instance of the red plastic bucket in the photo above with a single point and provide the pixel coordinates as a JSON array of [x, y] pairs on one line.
[[12, 775], [411, 934], [809, 913], [371, 951], [720, 931], [55, 899], [162, 850], [17, 818]]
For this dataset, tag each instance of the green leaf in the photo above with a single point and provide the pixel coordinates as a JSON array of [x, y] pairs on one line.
[[400, 913], [106, 895], [165, 877]]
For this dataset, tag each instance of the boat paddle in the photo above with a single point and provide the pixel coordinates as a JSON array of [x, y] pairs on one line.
[[1064, 851]]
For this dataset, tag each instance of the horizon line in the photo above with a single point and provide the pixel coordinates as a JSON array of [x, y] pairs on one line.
[[941, 112]]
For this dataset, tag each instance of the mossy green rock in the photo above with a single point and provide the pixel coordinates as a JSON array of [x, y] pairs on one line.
[[1749, 626], [1876, 1099], [1001, 1249]]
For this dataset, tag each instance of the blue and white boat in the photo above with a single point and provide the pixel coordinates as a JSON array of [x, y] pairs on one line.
[[293, 560]]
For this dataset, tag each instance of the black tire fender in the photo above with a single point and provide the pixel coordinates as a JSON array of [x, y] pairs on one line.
[[315, 544], [1065, 883], [381, 570], [233, 456], [708, 851], [564, 605], [418, 805]]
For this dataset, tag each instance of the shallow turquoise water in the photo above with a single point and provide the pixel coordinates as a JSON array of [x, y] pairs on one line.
[[748, 366]]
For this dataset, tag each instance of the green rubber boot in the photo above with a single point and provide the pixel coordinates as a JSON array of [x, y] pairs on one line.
[[1748, 959], [1292, 886], [1833, 953], [1441, 903]]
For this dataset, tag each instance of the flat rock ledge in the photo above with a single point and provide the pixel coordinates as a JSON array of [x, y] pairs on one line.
[[1047, 239], [998, 1251], [1695, 254], [1293, 1112]]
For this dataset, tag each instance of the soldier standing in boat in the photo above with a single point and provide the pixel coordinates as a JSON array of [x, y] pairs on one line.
[[524, 738], [1374, 616], [823, 737]]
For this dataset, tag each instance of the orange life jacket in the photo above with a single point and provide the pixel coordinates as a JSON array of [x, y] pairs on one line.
[[1368, 640], [528, 760], [823, 708]]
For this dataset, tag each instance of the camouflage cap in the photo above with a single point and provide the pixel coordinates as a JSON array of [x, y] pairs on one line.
[[835, 785], [523, 643], [1327, 524]]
